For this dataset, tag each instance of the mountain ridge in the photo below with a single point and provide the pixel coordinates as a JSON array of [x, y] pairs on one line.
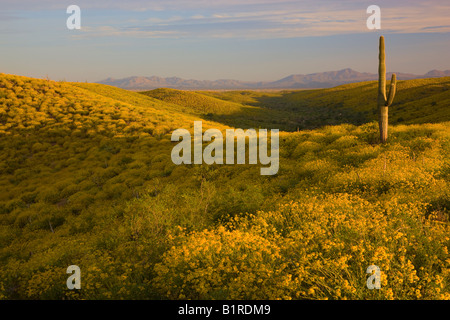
[[294, 81]]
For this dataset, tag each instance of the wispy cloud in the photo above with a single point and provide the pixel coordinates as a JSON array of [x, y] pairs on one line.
[[250, 19], [111, 31], [285, 22]]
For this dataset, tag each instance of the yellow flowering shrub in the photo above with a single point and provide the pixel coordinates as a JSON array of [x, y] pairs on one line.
[[317, 248], [223, 264], [86, 179]]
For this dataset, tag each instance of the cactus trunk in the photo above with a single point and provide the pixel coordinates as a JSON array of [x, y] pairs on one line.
[[383, 102], [383, 123]]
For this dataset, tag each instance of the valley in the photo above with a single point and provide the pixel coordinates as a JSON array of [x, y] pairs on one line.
[[86, 179]]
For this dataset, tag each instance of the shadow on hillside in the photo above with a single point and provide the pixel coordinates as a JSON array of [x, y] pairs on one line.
[[416, 102], [284, 113]]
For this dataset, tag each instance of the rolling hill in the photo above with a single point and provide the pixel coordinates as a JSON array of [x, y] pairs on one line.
[[86, 179], [194, 102], [292, 110]]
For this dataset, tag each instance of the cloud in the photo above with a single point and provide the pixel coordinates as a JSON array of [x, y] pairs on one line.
[[252, 19], [437, 27], [110, 31]]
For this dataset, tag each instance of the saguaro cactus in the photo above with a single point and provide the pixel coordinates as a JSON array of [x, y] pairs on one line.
[[383, 102]]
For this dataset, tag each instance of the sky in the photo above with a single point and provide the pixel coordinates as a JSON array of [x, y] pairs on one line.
[[248, 40]]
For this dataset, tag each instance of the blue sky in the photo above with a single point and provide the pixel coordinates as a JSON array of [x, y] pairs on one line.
[[254, 40]]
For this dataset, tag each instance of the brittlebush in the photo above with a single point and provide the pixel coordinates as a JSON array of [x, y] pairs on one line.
[[317, 248]]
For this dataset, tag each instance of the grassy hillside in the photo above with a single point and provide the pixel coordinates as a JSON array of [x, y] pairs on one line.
[[192, 102], [86, 179], [417, 101], [231, 113]]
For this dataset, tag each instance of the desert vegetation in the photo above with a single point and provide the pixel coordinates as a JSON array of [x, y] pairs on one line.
[[86, 179]]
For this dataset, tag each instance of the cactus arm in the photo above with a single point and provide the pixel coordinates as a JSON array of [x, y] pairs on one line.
[[392, 90]]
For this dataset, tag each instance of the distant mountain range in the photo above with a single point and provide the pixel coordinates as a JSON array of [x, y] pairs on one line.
[[297, 81]]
